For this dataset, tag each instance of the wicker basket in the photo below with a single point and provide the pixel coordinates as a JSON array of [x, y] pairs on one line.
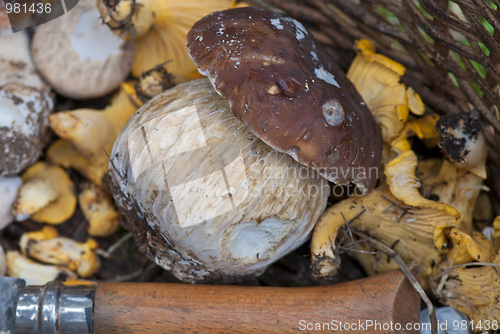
[[451, 51]]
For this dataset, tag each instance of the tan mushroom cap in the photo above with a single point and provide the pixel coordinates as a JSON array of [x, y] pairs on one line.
[[79, 56], [288, 91]]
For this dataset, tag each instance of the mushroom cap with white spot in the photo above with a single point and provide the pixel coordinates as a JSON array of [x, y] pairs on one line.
[[289, 92]]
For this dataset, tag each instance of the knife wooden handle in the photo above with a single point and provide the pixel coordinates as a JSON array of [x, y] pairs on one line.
[[185, 308]]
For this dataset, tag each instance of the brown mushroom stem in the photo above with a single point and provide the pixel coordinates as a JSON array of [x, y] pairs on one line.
[[168, 182]]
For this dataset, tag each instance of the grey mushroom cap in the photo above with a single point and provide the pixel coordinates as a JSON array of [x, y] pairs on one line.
[[79, 56], [164, 176], [25, 105]]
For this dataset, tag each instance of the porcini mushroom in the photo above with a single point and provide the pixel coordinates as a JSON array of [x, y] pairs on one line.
[[46, 195], [79, 56], [287, 90], [159, 29], [33, 272], [290, 90], [25, 104], [8, 195]]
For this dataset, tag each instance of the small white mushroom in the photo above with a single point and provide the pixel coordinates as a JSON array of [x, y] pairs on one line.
[[8, 194], [25, 104], [79, 56]]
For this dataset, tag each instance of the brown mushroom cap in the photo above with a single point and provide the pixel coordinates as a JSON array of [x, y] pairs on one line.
[[288, 91]]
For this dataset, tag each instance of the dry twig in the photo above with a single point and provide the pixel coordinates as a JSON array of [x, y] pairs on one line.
[[404, 268]]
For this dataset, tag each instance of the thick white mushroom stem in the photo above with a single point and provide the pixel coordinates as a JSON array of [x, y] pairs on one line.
[[171, 163]]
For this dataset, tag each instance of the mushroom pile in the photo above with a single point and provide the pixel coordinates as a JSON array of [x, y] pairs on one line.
[[219, 155]]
